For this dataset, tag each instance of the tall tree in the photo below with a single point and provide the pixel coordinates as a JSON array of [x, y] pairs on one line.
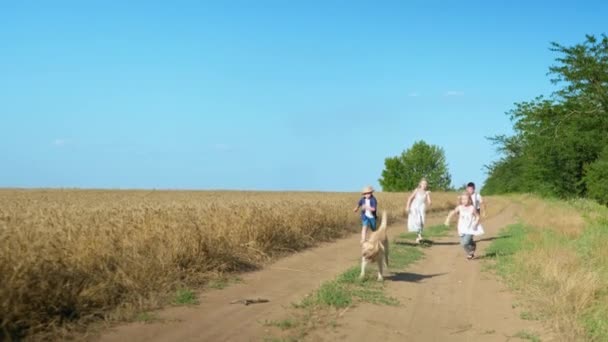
[[596, 178], [555, 139], [403, 172]]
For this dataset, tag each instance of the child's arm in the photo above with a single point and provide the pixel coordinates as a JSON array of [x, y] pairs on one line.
[[359, 205], [409, 201], [452, 213], [475, 219], [482, 207]]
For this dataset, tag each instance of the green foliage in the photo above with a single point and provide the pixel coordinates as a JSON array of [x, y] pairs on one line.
[[403, 172], [596, 178], [510, 240], [557, 141], [185, 297], [527, 335]]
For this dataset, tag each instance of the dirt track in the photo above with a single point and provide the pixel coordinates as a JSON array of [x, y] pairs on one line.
[[444, 298]]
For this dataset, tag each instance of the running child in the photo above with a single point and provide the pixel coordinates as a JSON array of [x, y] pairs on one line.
[[468, 224], [368, 205], [416, 208], [477, 199]]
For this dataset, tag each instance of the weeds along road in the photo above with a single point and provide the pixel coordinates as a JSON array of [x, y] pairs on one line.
[[442, 297]]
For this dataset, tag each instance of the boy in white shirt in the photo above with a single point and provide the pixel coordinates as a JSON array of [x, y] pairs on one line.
[[478, 203]]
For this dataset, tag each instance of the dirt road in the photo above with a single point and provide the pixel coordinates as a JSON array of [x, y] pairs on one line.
[[444, 298]]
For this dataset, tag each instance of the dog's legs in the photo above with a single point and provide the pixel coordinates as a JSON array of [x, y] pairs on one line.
[[380, 267], [386, 255], [363, 265]]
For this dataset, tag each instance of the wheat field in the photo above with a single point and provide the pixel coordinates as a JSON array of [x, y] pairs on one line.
[[71, 257]]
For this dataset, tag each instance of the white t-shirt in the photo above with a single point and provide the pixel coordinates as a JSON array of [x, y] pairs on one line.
[[466, 221], [368, 213], [477, 200]]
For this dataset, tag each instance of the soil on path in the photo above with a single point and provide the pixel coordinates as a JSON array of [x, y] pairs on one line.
[[443, 297]]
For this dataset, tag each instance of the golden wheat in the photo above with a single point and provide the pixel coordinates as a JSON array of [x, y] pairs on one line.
[[77, 256]]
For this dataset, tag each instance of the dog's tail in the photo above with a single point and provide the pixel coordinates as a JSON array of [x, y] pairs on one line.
[[382, 228], [383, 222]]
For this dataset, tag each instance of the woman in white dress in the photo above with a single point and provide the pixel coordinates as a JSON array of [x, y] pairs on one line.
[[416, 208]]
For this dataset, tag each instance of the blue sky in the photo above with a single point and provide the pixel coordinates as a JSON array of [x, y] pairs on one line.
[[265, 95]]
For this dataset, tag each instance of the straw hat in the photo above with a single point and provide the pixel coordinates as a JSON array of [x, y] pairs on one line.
[[367, 189]]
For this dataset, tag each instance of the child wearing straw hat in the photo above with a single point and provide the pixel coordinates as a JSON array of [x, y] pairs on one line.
[[368, 205]]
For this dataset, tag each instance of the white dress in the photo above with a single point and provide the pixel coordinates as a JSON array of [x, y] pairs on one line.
[[466, 222], [416, 216]]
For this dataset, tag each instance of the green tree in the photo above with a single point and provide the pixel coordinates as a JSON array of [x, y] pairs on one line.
[[403, 172], [555, 139], [596, 178]]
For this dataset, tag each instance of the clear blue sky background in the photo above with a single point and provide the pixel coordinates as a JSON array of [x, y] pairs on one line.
[[308, 95]]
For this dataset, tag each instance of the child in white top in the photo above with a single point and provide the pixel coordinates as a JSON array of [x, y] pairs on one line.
[[478, 202], [468, 224], [416, 208]]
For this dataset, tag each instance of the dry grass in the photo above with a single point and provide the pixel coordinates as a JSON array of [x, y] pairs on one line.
[[559, 216], [71, 257], [559, 265]]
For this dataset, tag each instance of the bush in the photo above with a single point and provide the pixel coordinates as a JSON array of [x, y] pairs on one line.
[[596, 178]]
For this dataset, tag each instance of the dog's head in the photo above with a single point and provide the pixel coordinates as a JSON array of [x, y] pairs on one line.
[[370, 249]]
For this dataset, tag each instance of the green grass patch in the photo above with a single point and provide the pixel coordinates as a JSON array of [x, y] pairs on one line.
[[529, 316], [509, 241], [595, 320], [436, 231], [223, 282], [401, 256], [284, 324], [146, 317], [185, 297], [275, 339], [526, 335], [347, 290], [509, 253]]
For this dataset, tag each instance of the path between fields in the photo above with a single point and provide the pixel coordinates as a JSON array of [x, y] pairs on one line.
[[443, 297]]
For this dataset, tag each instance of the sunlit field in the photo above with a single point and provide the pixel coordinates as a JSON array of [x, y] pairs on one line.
[[558, 262], [76, 256]]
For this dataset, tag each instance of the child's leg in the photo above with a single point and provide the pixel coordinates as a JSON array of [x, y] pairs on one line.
[[364, 230], [465, 241], [372, 223]]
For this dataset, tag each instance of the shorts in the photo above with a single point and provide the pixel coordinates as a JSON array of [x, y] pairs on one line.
[[369, 222]]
